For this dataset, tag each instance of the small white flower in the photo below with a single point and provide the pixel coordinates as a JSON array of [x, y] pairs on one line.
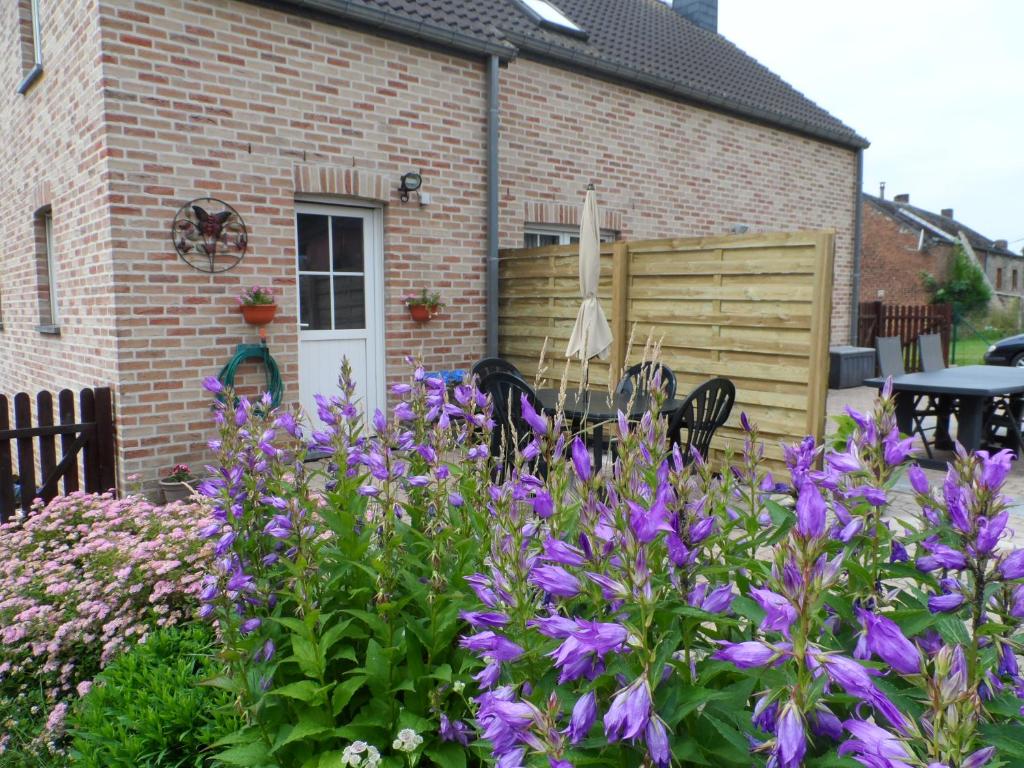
[[358, 747], [352, 756], [458, 686], [372, 757], [407, 740]]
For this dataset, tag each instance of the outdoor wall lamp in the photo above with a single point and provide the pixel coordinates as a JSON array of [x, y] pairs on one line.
[[410, 183]]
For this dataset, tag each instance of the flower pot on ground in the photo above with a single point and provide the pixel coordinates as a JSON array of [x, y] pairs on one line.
[[177, 485], [423, 306], [257, 305]]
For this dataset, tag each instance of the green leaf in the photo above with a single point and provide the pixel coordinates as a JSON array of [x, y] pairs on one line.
[[334, 633], [303, 690], [248, 755], [344, 692], [370, 620], [448, 755], [307, 655], [303, 729], [377, 668]]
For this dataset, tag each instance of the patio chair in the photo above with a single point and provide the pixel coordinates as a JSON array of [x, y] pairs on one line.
[[641, 374], [511, 431], [1001, 424], [930, 347], [701, 414], [940, 408], [490, 365], [890, 356]]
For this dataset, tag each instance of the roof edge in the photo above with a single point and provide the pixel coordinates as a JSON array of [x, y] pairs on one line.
[[586, 63], [399, 24]]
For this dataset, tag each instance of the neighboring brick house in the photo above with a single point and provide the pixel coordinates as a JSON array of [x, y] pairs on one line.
[[303, 115], [900, 241]]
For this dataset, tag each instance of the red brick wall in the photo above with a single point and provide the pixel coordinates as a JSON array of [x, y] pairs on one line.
[[891, 261], [255, 106], [54, 154], [669, 169]]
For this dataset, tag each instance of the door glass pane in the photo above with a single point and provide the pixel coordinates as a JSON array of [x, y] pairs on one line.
[[349, 302], [314, 246], [348, 243], [315, 302]]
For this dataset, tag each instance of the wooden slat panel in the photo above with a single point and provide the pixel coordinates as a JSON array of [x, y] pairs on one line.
[[66, 408], [6, 464], [754, 308], [47, 443]]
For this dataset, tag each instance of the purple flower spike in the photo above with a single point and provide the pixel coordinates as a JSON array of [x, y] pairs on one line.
[[945, 603], [492, 645], [810, 512], [792, 738], [580, 459], [896, 450], [537, 422], [584, 713], [483, 619], [657, 743], [213, 385], [918, 479], [979, 758], [555, 580], [887, 641], [630, 712], [557, 551], [1012, 566], [543, 504], [747, 655], [989, 531], [995, 468], [874, 747], [779, 612], [454, 730]]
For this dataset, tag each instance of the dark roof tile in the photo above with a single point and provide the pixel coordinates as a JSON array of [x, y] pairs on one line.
[[639, 41]]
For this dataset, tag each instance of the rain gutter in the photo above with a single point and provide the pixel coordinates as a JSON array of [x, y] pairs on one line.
[[493, 134], [858, 210]]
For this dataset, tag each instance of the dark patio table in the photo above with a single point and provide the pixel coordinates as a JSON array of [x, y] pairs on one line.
[[972, 385], [596, 406]]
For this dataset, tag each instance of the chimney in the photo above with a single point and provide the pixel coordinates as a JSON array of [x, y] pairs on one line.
[[904, 198], [947, 213], [1001, 244], [703, 13]]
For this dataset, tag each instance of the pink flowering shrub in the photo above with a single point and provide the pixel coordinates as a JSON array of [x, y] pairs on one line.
[[81, 579]]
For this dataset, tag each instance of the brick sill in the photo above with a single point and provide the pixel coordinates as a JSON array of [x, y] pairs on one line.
[[49, 330]]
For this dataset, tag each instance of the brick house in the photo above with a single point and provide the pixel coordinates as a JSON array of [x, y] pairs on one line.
[[900, 241], [303, 115]]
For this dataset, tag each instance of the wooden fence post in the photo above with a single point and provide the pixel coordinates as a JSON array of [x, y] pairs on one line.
[[105, 439], [620, 308], [6, 465]]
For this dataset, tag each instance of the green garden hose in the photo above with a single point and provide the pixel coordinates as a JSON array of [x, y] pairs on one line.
[[254, 352]]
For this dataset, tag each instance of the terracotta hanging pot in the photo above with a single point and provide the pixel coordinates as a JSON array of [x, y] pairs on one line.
[[258, 314], [420, 312]]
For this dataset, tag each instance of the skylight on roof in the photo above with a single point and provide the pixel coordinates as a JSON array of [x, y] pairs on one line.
[[550, 16]]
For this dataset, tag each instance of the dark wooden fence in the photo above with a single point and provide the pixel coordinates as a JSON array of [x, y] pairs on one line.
[[90, 433], [908, 321]]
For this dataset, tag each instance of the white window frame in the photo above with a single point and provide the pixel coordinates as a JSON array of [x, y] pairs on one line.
[[51, 268], [37, 51], [564, 234]]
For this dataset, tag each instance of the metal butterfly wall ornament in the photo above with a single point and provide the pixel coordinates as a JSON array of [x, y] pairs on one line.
[[209, 235]]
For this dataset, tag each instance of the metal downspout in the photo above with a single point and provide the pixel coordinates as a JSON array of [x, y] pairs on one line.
[[857, 219], [493, 117]]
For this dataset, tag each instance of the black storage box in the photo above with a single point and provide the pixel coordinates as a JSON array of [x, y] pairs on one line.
[[849, 366]]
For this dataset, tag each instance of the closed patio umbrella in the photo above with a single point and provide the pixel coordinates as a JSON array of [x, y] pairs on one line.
[[591, 336]]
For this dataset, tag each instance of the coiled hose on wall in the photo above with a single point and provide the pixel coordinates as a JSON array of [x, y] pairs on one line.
[[261, 352]]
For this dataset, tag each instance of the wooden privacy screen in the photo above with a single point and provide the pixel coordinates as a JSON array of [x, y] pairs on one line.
[[752, 308]]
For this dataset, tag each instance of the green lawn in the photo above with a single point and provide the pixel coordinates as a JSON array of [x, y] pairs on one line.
[[969, 351]]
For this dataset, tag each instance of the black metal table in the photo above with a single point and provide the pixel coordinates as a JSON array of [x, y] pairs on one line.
[[972, 386], [596, 406]]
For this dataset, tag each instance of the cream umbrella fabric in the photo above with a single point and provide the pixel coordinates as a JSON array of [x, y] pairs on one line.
[[591, 336]]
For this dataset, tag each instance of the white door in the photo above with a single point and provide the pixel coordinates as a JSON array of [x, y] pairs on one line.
[[341, 302]]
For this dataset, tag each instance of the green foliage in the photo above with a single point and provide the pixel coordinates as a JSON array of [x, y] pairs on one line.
[[150, 707], [24, 742], [965, 289]]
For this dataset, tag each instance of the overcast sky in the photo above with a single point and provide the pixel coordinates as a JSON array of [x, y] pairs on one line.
[[936, 86]]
